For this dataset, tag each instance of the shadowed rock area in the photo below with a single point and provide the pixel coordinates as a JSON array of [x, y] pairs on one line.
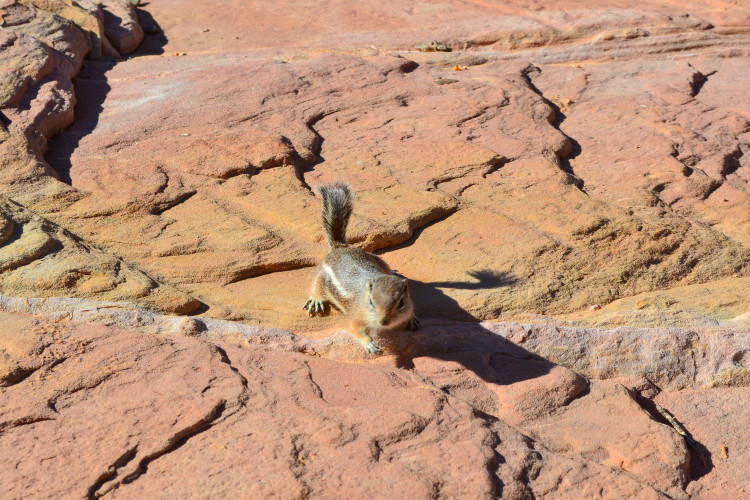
[[568, 189]]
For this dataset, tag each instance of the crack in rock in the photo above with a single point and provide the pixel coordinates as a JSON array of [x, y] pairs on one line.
[[571, 147], [111, 471], [172, 443], [5, 426]]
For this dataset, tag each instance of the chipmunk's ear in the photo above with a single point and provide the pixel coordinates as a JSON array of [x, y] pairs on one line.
[[405, 284]]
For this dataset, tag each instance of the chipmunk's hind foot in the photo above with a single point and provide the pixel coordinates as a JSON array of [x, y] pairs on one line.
[[413, 323], [314, 306]]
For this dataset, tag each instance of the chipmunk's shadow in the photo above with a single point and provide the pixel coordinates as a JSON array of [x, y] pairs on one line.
[[453, 334], [430, 301]]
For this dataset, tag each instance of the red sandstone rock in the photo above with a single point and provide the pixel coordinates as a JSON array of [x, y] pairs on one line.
[[121, 25], [716, 419], [519, 390], [307, 417], [187, 417], [584, 154], [41, 53], [499, 146], [26, 265], [204, 185], [607, 426]]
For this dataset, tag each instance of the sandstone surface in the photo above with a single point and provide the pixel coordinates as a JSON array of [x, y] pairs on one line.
[[301, 425], [567, 190], [596, 146], [459, 411], [715, 416]]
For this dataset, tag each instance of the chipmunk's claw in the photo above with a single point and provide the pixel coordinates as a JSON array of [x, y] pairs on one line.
[[372, 347], [314, 306], [413, 323]]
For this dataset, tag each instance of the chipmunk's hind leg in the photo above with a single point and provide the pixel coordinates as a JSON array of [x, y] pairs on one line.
[[316, 304]]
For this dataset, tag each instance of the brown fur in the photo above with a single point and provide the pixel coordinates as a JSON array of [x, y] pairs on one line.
[[356, 282]]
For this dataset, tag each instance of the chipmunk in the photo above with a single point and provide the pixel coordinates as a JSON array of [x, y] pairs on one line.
[[358, 283]]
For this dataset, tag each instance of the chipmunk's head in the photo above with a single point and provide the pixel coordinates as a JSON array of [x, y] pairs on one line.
[[388, 302]]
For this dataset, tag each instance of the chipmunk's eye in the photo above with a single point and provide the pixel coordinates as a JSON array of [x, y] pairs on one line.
[[401, 303], [371, 302]]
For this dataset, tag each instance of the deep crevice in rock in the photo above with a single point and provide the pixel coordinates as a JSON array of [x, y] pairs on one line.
[[92, 82], [4, 426], [268, 268], [225, 359], [496, 460], [160, 208], [700, 462], [731, 162], [563, 156], [111, 471], [303, 166], [418, 229], [177, 440]]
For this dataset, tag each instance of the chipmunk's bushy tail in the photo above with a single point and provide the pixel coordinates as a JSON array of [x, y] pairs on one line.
[[337, 208]]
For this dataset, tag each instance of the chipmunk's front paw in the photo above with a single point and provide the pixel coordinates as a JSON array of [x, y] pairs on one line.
[[372, 347], [314, 306], [413, 323]]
